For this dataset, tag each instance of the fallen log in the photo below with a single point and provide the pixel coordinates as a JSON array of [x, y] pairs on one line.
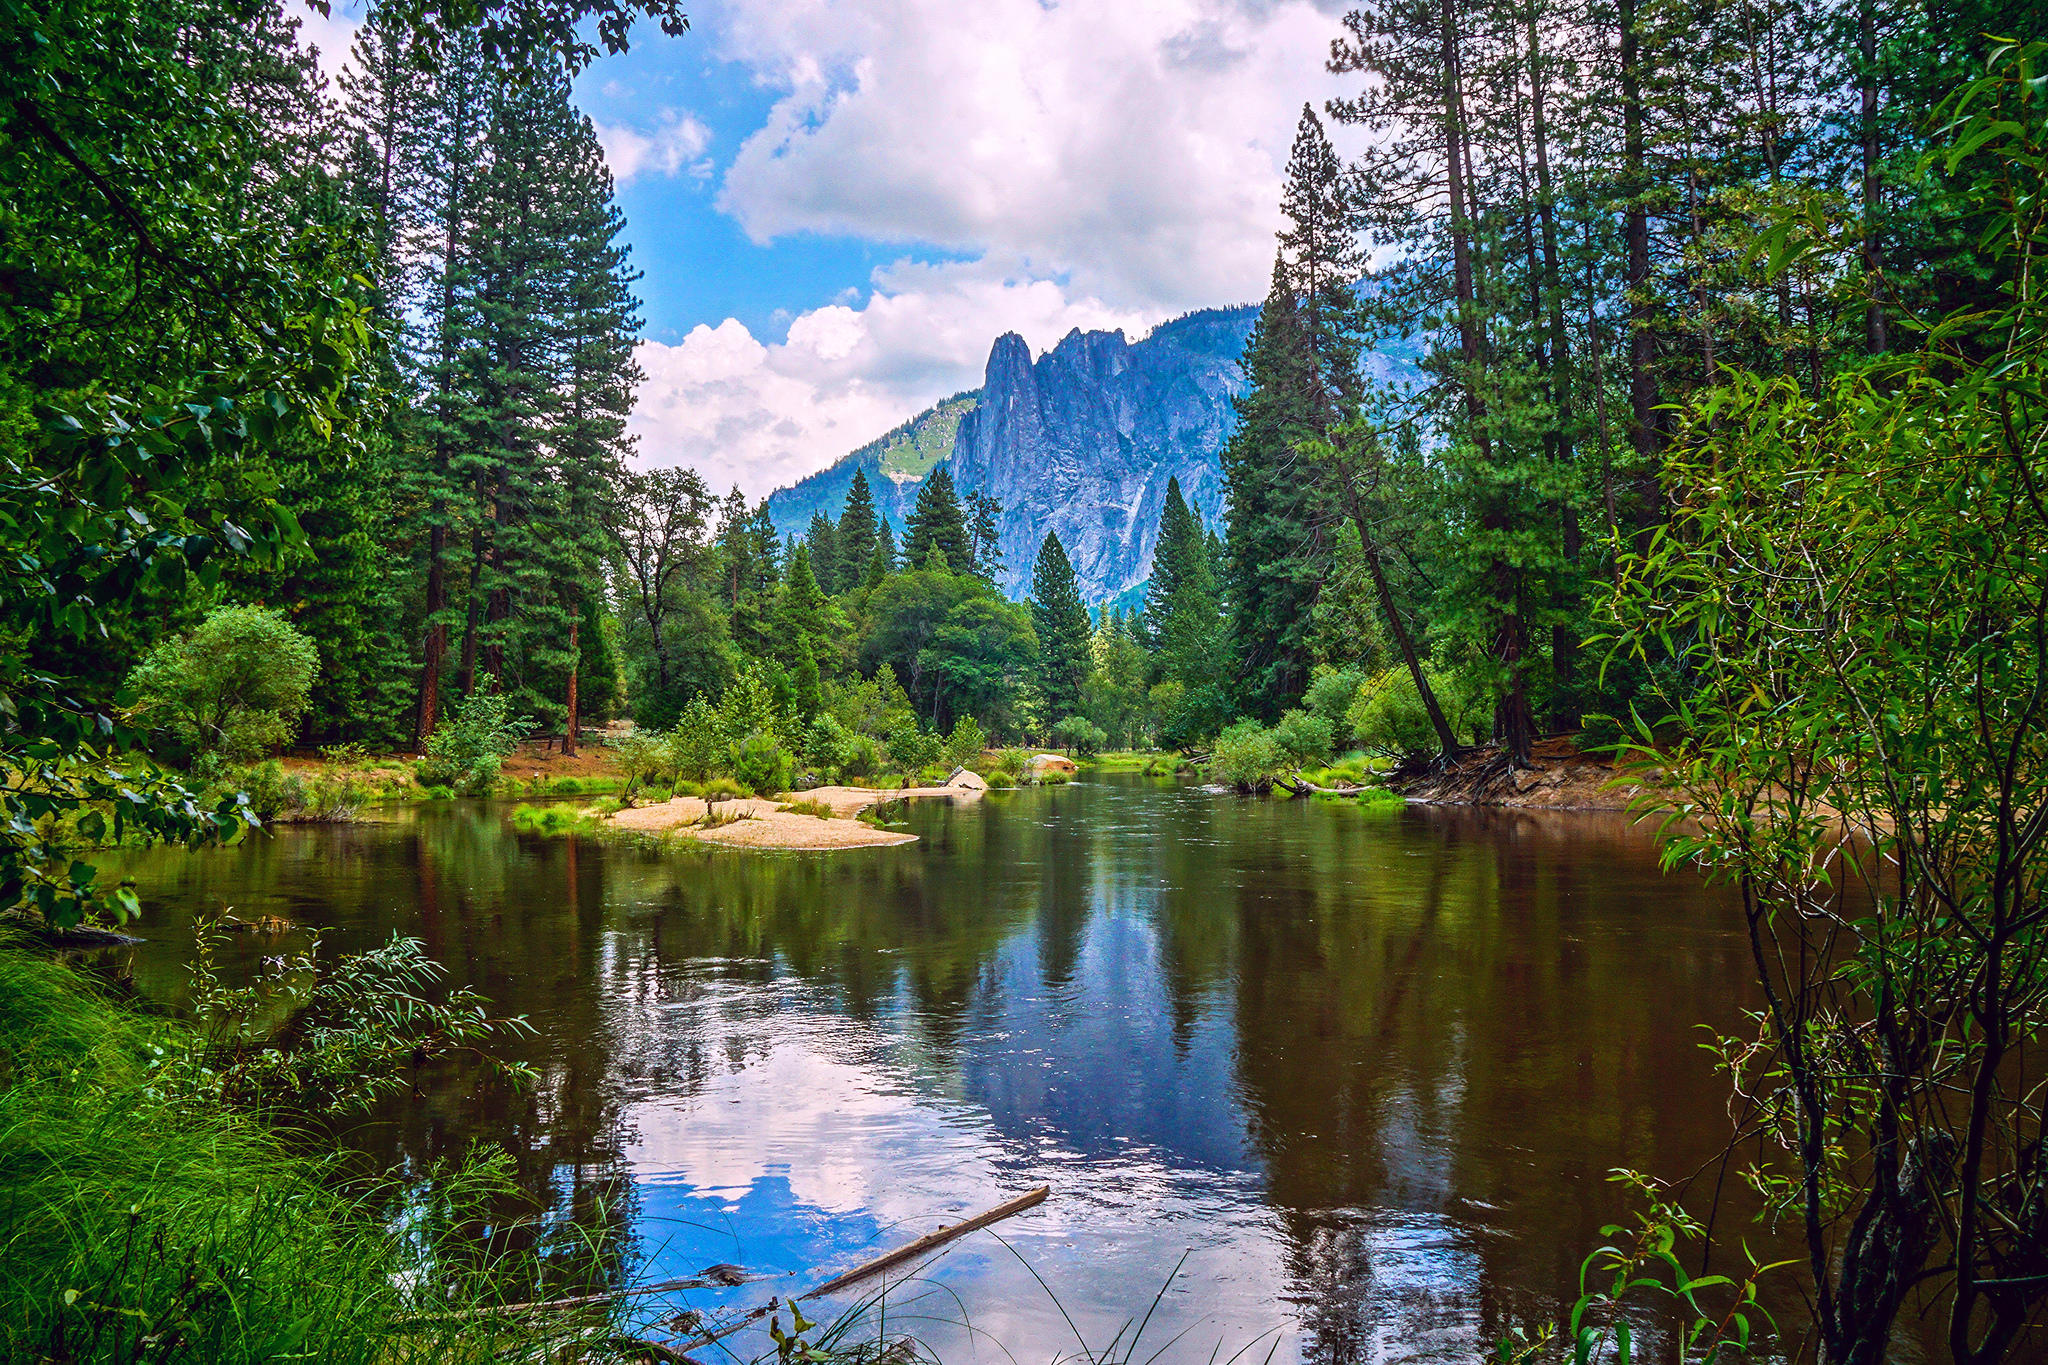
[[930, 1241]]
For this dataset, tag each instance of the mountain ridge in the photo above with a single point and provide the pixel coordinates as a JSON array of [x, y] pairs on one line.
[[1080, 440]]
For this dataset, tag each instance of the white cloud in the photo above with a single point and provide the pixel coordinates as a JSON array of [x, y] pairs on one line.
[[1104, 162], [1133, 145], [762, 415], [675, 144]]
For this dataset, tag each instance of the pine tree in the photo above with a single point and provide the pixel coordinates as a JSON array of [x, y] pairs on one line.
[[881, 562], [1272, 504], [984, 536], [936, 523], [855, 535], [1064, 656], [1178, 544], [823, 541]]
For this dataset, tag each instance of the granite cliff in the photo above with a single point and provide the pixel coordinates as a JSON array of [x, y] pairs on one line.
[[1081, 440]]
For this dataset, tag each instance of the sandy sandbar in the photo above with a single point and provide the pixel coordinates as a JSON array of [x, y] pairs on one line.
[[769, 826]]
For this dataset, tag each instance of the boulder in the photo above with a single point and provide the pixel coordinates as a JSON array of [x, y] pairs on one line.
[[1052, 763], [967, 780]]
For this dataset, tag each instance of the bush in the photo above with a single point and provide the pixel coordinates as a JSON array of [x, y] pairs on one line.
[[467, 749], [1246, 756], [1330, 694], [1387, 716], [965, 744], [1081, 735], [910, 748], [235, 686], [642, 756], [1304, 738], [759, 762], [724, 789]]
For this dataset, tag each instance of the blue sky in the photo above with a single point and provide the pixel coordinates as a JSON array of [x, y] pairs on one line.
[[839, 204]]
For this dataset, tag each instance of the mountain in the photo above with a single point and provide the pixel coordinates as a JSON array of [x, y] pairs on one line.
[[895, 465], [1081, 440]]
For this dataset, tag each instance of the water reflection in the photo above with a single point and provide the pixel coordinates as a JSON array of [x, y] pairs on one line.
[[1366, 1071]]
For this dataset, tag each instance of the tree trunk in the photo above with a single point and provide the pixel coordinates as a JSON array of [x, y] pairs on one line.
[[434, 648], [1873, 191], [1395, 623], [1517, 727], [1642, 380], [569, 725]]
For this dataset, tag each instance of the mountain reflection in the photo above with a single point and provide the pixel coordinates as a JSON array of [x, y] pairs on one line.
[[1367, 1071]]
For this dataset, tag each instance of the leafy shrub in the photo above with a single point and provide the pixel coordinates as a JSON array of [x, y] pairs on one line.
[[910, 748], [1012, 763], [437, 792], [235, 686], [1246, 756], [1330, 694], [1304, 738], [759, 762], [1387, 716], [1080, 734], [965, 744], [566, 786], [696, 747], [467, 749], [724, 789]]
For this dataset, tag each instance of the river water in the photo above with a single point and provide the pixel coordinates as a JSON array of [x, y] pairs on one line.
[[1346, 1085]]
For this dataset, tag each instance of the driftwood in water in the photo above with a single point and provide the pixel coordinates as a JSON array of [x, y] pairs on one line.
[[1301, 786], [931, 1241]]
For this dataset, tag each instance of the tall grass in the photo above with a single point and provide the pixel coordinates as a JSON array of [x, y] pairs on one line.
[[140, 1223]]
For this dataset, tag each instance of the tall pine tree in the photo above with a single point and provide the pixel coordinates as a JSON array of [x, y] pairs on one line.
[[936, 523], [1064, 655]]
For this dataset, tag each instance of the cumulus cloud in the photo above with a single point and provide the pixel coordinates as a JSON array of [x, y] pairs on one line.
[[677, 142], [762, 414], [1133, 145]]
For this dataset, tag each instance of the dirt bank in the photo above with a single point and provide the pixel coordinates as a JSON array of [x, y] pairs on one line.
[[768, 825], [1563, 778]]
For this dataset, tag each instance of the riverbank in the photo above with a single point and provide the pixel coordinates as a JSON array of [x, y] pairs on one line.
[[1562, 777], [820, 820]]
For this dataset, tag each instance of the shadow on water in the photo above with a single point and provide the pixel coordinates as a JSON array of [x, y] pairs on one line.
[[1368, 1070]]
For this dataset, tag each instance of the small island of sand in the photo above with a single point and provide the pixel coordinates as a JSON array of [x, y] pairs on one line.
[[764, 823]]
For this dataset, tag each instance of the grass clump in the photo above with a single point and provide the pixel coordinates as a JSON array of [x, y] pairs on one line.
[[818, 808], [144, 1217], [554, 819]]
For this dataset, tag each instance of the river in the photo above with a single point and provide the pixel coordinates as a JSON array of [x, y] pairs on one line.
[[1353, 1080]]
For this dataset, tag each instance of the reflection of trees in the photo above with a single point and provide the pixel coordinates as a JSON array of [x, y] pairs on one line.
[[1489, 1013], [1441, 1028]]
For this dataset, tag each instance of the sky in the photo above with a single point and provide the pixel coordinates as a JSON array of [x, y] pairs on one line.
[[836, 206]]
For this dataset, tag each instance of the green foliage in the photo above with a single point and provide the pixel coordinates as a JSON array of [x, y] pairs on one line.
[[1386, 717], [760, 764], [964, 746], [912, 748], [1331, 691], [1079, 734], [1303, 738], [236, 686], [938, 524], [195, 1235], [1064, 653], [467, 750], [1247, 756]]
